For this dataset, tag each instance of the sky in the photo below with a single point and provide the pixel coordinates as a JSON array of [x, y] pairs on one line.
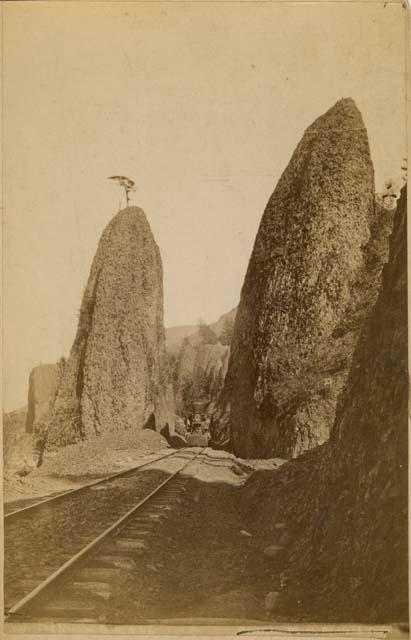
[[202, 104]]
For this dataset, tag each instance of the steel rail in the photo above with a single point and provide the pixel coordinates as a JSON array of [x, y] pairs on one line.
[[40, 587], [91, 484]]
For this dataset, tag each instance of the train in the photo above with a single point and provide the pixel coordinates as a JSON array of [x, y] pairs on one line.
[[197, 425]]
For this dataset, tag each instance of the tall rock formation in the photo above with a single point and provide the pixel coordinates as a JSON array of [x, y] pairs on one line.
[[344, 505], [43, 383], [114, 378], [313, 277], [23, 428]]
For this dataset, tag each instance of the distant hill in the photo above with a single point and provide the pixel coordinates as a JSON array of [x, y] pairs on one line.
[[176, 335]]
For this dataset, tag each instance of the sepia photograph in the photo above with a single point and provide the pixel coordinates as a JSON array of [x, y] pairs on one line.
[[205, 328]]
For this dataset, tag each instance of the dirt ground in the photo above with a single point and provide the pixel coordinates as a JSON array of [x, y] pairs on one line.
[[81, 463]]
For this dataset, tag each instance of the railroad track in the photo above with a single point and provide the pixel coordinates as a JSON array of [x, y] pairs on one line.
[[32, 504], [84, 564]]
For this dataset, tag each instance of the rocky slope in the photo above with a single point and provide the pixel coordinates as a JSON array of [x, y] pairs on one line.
[[200, 360], [114, 378], [200, 373], [21, 428], [175, 336], [343, 506], [312, 279], [16, 441], [225, 322]]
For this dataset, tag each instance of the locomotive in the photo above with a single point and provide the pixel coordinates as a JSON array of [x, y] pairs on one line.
[[197, 425]]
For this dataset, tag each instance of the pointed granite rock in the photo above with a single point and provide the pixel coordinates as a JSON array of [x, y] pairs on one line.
[[114, 377], [312, 279]]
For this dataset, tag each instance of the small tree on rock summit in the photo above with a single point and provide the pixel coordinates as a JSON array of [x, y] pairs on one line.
[[126, 183]]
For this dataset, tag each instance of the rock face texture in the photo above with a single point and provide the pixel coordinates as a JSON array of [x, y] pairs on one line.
[[344, 504], [114, 378], [43, 383], [224, 322], [201, 372], [199, 360], [312, 279]]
